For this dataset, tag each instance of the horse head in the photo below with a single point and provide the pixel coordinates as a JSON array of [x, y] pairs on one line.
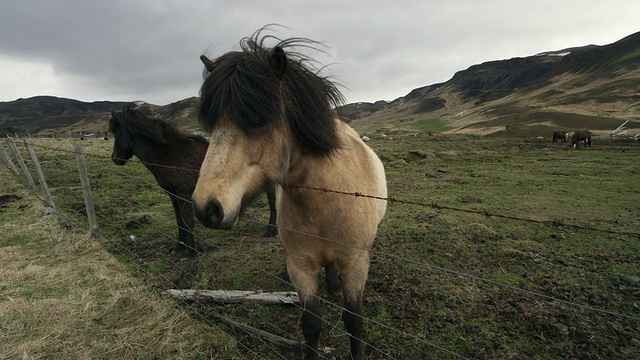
[[248, 144], [259, 104], [122, 146]]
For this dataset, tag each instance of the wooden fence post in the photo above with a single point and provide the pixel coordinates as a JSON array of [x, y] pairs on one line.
[[86, 189], [23, 166], [7, 160], [43, 181]]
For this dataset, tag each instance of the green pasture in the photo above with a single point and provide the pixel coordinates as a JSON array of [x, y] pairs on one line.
[[483, 305]]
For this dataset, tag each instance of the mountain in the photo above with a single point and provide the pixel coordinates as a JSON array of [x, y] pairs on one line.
[[594, 87], [46, 115]]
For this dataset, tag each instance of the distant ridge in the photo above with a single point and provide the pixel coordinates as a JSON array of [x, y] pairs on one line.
[[595, 87]]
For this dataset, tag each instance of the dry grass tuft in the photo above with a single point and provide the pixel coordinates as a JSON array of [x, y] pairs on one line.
[[62, 296]]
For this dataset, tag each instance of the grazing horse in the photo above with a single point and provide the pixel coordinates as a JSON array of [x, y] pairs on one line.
[[581, 135], [174, 157], [271, 119], [558, 135]]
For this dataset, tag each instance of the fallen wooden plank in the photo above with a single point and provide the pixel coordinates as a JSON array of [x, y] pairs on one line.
[[235, 296]]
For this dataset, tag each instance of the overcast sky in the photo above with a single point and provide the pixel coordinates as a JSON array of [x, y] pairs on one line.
[[126, 50]]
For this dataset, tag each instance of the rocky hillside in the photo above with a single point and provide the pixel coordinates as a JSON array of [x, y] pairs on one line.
[[594, 87]]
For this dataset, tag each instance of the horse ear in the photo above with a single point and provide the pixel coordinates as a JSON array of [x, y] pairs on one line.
[[208, 64], [278, 61]]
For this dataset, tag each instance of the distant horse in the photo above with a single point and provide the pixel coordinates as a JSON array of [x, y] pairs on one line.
[[174, 157], [568, 136], [581, 135], [558, 135], [271, 119]]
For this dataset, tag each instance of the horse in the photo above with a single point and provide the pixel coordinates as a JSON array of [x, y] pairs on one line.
[[568, 136], [558, 135], [174, 157], [271, 118], [581, 135]]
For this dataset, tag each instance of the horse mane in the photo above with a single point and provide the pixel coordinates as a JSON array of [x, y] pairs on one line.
[[136, 120], [244, 86]]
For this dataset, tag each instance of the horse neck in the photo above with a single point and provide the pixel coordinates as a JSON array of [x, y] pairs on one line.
[[306, 169], [149, 152]]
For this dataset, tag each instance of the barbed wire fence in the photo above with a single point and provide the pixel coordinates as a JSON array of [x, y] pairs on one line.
[[74, 215]]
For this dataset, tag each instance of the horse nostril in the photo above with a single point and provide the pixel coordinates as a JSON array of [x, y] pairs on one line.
[[214, 211], [212, 214]]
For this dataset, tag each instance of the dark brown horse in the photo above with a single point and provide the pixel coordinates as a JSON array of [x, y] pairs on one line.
[[174, 157], [558, 135], [581, 135], [271, 119]]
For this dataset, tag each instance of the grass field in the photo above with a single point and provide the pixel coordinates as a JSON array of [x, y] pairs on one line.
[[443, 283]]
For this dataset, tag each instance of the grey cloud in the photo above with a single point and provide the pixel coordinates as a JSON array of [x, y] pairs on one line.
[[380, 49]]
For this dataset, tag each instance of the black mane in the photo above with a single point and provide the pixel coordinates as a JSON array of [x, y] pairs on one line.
[[136, 120], [244, 86]]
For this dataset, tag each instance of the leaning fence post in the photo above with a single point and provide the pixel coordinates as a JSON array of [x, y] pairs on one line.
[[86, 189], [43, 181], [23, 166], [7, 160]]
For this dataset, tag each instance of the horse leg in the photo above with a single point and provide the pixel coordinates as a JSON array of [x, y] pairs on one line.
[[305, 279], [271, 231], [331, 277], [184, 221], [187, 229], [354, 278]]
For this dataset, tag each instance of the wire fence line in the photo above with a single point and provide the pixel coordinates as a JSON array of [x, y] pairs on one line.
[[390, 255], [331, 324], [288, 283], [485, 213], [132, 257], [488, 214], [434, 267], [124, 250]]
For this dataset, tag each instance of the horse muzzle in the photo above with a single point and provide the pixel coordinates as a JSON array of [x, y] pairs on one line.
[[118, 161], [212, 215]]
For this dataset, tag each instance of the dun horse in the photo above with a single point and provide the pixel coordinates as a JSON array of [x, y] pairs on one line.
[[568, 136], [174, 157], [558, 135], [271, 119], [581, 135]]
